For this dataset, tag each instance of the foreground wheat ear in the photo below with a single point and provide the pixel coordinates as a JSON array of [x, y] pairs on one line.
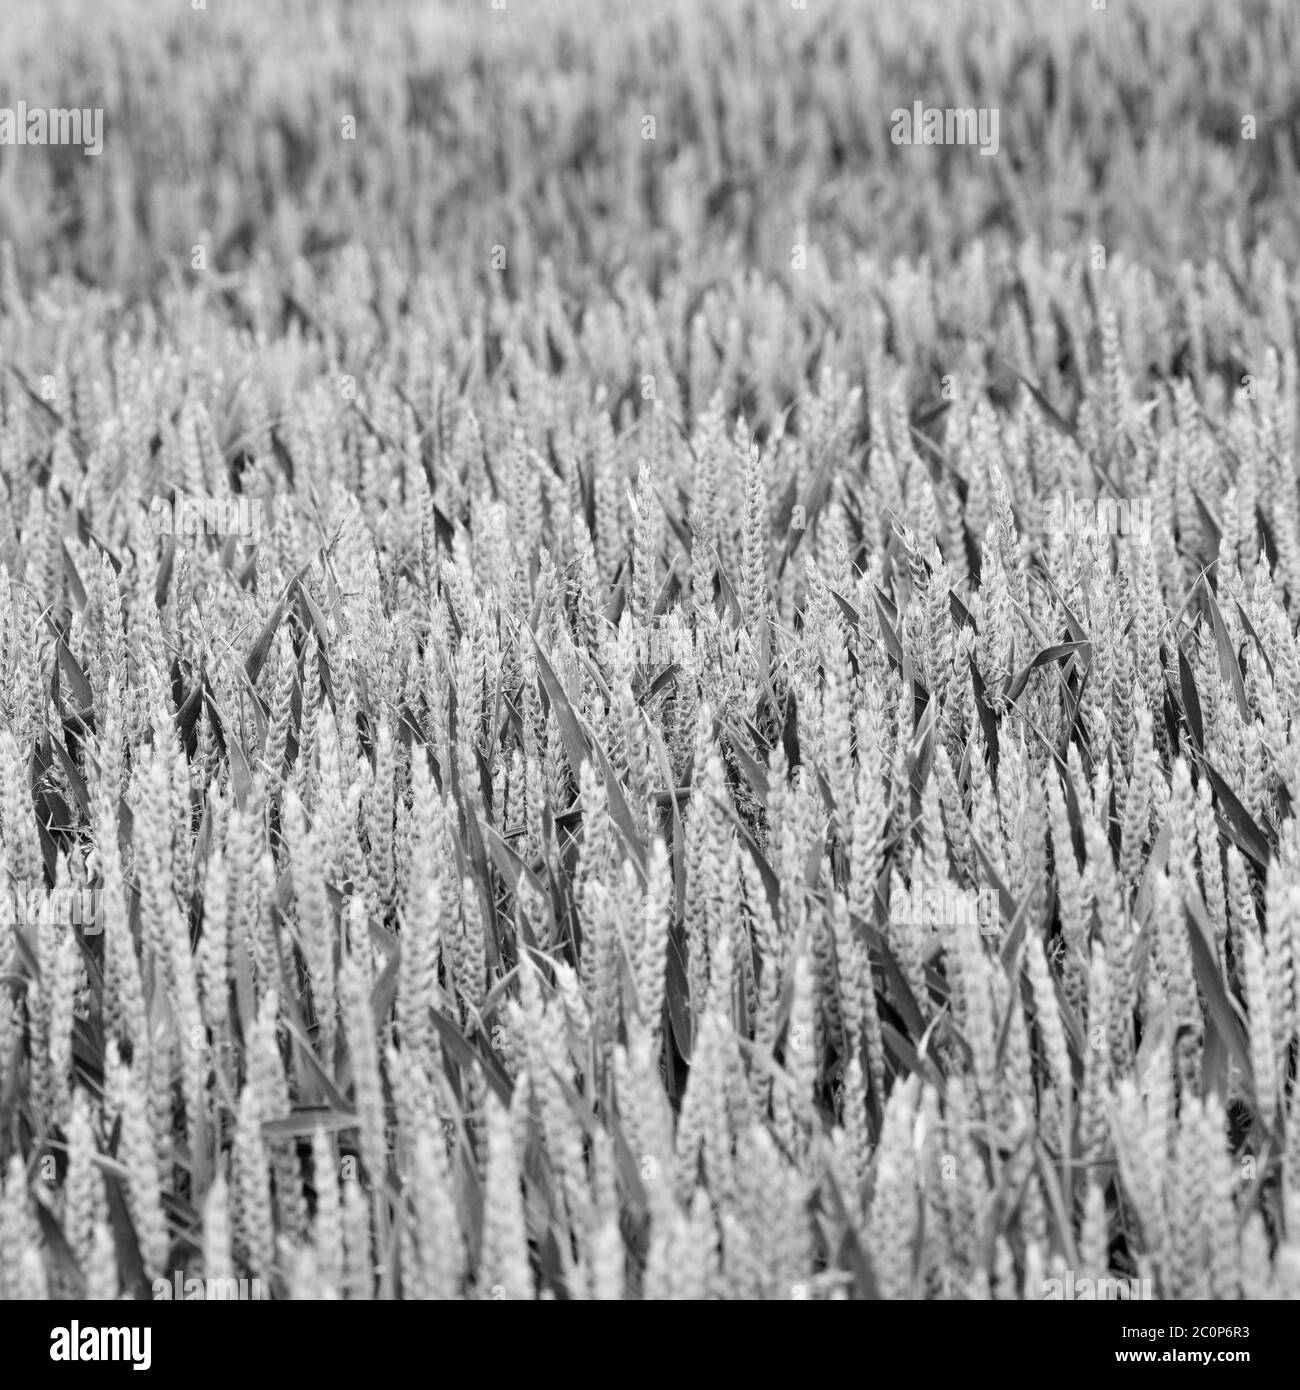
[[601, 760]]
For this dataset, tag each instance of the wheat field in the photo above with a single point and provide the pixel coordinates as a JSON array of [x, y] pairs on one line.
[[693, 710]]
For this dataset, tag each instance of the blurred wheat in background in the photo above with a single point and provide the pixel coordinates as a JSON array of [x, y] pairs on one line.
[[687, 789]]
